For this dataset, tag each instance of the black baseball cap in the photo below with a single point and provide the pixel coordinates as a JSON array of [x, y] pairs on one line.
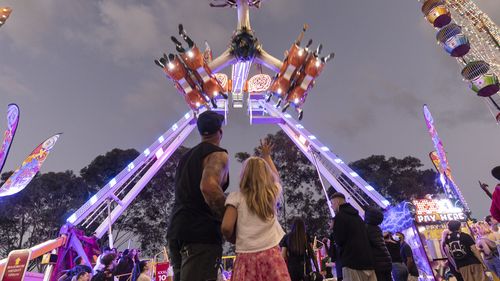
[[496, 172], [209, 122]]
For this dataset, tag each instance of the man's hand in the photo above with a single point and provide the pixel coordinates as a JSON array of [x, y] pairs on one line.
[[215, 170], [484, 187]]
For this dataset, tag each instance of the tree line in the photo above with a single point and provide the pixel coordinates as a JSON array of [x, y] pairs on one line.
[[36, 214]]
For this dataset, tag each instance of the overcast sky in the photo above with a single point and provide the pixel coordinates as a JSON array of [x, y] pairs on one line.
[[85, 68]]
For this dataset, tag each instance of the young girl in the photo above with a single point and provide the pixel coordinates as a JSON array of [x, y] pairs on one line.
[[253, 211]]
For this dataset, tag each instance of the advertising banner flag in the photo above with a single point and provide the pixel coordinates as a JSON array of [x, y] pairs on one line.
[[10, 132], [29, 168]]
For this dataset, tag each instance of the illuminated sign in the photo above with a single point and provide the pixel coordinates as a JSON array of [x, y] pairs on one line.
[[441, 155], [437, 211]]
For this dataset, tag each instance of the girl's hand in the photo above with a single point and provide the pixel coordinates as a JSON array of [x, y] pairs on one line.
[[265, 148]]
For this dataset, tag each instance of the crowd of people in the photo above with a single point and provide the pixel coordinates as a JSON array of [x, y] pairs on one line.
[[111, 265], [356, 248]]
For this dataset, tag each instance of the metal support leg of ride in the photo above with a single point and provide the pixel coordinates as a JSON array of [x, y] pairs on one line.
[[132, 194], [333, 169], [110, 230]]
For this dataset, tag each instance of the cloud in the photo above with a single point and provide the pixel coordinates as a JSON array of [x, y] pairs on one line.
[[29, 23], [127, 31], [356, 123], [11, 85], [121, 30], [474, 112]]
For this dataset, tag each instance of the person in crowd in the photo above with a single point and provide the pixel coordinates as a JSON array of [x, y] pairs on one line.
[[297, 251], [492, 222], [349, 232], [82, 276], [464, 253], [495, 200], [98, 264], [106, 272], [486, 242], [381, 256], [451, 262], [408, 260], [399, 270], [251, 221], [144, 271], [79, 267], [326, 260], [202, 176], [125, 267], [334, 251], [136, 271]]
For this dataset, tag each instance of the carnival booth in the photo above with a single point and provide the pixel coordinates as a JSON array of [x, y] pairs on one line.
[[423, 222]]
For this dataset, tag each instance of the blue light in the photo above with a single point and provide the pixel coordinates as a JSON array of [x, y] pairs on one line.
[[338, 161], [311, 137], [324, 148], [174, 127], [159, 153], [130, 167], [93, 199], [72, 218], [386, 203], [112, 182], [299, 126], [161, 139], [187, 115], [287, 115], [370, 188], [146, 152], [354, 174]]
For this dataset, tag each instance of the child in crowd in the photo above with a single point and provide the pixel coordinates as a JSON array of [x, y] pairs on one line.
[[250, 220]]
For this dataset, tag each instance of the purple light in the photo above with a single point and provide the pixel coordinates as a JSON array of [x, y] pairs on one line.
[[240, 74]]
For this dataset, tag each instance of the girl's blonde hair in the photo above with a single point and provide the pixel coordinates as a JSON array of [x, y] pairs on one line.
[[258, 184]]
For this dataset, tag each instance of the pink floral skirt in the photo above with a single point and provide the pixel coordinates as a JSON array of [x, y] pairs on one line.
[[267, 265]]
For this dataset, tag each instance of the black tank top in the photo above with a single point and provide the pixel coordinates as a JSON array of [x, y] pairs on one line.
[[191, 219]]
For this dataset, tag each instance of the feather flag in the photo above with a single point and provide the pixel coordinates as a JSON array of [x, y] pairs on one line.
[[30, 167], [8, 136]]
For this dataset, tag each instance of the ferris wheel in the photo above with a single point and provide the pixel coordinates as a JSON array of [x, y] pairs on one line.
[[469, 35]]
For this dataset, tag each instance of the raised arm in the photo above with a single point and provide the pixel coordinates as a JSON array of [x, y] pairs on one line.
[[265, 150], [215, 169]]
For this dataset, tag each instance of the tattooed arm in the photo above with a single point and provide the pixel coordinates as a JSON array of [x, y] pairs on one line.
[[215, 170]]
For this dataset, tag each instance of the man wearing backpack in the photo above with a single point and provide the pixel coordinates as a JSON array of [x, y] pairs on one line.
[[463, 250]]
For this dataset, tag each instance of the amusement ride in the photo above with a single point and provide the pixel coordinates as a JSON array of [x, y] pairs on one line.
[[199, 80], [465, 32]]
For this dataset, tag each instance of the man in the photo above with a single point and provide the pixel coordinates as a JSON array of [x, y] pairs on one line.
[[407, 255], [98, 264], [495, 200], [492, 222], [194, 235], [349, 232], [463, 251]]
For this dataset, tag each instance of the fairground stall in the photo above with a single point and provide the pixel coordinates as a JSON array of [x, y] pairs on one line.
[[422, 222]]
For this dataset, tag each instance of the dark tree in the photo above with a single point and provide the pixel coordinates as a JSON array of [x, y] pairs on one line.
[[397, 179], [36, 213]]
